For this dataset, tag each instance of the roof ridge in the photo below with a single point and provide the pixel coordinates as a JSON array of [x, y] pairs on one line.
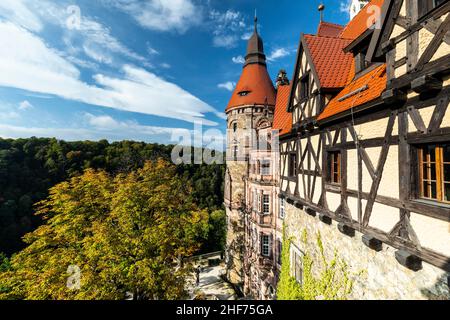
[[332, 23], [318, 36]]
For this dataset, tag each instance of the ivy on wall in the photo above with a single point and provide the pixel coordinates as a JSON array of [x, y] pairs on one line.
[[326, 280]]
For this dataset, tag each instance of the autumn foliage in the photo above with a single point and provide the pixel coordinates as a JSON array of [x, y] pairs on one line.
[[125, 234]]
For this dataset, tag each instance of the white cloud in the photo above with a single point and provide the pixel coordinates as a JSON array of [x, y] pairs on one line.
[[238, 60], [152, 51], [227, 85], [161, 15], [18, 12], [25, 105], [46, 72], [246, 36], [165, 65], [344, 6], [225, 41], [227, 27], [279, 53], [9, 115], [92, 37], [97, 128]]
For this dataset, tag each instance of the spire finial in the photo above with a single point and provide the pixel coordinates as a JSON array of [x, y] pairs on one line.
[[256, 21], [321, 10]]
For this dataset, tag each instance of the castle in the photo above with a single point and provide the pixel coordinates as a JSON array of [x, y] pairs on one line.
[[356, 148]]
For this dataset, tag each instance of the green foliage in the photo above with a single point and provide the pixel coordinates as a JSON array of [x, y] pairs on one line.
[[30, 167], [125, 233], [329, 280], [216, 232]]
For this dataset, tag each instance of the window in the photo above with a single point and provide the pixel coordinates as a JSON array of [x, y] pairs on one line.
[[360, 62], [279, 251], [334, 166], [259, 202], [255, 199], [244, 93], [426, 6], [266, 204], [265, 245], [282, 208], [304, 86], [292, 165], [265, 168], [235, 152], [296, 264], [235, 126], [434, 172]]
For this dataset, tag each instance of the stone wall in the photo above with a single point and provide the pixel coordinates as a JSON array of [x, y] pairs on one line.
[[382, 276]]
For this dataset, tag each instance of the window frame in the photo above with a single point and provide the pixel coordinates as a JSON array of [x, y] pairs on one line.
[[265, 204], [266, 168], [305, 90], [332, 161], [265, 245], [235, 151], [296, 269], [439, 164], [292, 165], [282, 213]]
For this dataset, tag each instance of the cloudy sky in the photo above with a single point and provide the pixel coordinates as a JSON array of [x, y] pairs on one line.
[[136, 69]]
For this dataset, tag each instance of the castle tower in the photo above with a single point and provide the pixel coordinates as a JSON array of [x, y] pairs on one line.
[[356, 6], [251, 107]]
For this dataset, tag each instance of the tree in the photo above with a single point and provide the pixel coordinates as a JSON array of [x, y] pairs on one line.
[[119, 235]]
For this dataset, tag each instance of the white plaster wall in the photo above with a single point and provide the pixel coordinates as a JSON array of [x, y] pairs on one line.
[[389, 185], [384, 217], [432, 233]]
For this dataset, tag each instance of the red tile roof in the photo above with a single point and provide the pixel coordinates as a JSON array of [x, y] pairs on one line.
[[256, 81], [327, 29], [363, 20], [282, 120], [356, 93], [330, 60]]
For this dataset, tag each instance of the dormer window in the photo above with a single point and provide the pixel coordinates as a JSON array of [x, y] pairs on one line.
[[426, 6], [304, 86], [244, 93], [360, 62]]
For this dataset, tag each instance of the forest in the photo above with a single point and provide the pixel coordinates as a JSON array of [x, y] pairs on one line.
[[29, 168]]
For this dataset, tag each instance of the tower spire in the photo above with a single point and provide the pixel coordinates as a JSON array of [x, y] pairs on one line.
[[255, 47]]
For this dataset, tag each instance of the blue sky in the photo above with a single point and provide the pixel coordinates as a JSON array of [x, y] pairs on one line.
[[136, 69]]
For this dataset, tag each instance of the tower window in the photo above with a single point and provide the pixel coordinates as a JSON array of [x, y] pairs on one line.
[[235, 126], [282, 208], [265, 245], [265, 168], [235, 152], [266, 204], [244, 93]]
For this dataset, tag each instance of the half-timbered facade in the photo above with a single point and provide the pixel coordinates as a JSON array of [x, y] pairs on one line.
[[366, 165]]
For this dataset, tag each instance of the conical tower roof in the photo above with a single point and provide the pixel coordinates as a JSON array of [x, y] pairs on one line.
[[255, 86]]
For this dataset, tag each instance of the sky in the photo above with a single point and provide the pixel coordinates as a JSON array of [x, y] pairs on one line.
[[144, 70]]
